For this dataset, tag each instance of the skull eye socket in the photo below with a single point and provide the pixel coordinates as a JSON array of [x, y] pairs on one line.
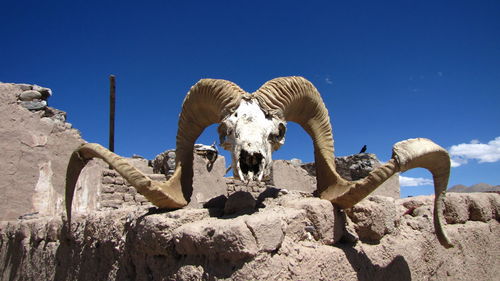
[[277, 138], [223, 131]]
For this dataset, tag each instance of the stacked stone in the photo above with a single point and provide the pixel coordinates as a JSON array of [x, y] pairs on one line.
[[254, 188], [352, 167], [34, 97], [116, 192], [357, 166], [164, 163]]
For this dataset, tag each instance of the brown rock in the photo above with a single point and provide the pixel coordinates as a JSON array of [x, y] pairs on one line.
[[226, 239], [266, 227], [30, 95], [373, 217], [456, 208], [326, 223], [239, 202], [480, 208]]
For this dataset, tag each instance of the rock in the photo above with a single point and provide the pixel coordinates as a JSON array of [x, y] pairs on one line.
[[239, 202], [164, 163], [24, 87], [214, 238], [55, 114], [46, 92], [456, 208], [480, 208], [373, 217], [267, 230], [30, 95], [327, 224], [34, 105]]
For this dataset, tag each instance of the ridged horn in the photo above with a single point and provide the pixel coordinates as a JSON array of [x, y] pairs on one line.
[[296, 99], [206, 103]]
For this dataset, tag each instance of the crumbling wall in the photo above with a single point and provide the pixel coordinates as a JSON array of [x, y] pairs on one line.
[[289, 237], [35, 145]]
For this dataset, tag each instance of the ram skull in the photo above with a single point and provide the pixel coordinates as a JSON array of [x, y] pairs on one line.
[[252, 126], [251, 136]]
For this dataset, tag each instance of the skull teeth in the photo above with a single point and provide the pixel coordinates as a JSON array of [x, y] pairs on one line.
[[249, 166]]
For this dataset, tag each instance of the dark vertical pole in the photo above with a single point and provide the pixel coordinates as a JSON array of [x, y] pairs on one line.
[[112, 113]]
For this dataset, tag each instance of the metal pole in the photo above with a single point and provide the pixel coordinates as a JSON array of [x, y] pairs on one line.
[[112, 113]]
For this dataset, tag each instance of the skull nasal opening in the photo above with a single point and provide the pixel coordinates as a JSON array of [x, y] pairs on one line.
[[250, 162]]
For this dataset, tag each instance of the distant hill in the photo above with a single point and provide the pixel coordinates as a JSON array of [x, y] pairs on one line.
[[480, 187]]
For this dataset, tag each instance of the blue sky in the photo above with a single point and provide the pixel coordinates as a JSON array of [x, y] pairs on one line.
[[387, 70]]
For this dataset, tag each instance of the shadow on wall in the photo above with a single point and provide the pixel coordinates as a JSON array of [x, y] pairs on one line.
[[144, 256], [397, 270]]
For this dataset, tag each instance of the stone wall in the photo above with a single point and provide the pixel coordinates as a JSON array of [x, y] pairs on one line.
[[100, 188], [289, 237], [35, 145]]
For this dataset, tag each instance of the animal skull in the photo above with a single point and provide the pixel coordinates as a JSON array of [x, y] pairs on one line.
[[251, 136]]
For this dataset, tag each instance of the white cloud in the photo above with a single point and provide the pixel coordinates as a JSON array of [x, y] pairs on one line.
[[482, 152], [408, 181], [328, 81]]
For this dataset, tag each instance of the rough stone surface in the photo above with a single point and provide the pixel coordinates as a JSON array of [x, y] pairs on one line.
[[208, 181], [30, 95], [373, 218], [290, 175], [289, 238], [239, 201], [34, 147]]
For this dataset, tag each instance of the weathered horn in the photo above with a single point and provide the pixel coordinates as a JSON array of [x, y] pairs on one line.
[[206, 103], [296, 99]]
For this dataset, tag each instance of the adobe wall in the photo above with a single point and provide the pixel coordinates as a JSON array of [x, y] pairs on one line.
[[35, 145]]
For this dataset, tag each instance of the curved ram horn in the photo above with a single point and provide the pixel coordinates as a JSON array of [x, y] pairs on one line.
[[206, 103], [296, 99]]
